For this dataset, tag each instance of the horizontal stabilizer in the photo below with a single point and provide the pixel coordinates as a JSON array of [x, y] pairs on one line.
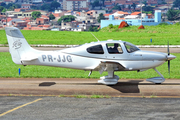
[[28, 58]]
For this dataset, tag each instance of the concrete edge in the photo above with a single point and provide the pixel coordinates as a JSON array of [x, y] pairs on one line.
[[89, 96], [69, 46]]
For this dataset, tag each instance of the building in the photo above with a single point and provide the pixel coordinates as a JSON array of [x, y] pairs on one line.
[[29, 1], [27, 6], [68, 25], [42, 21], [23, 14], [35, 27], [134, 21], [77, 29], [74, 4], [24, 1]]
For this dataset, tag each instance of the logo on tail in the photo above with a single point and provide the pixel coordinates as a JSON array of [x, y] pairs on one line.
[[17, 44]]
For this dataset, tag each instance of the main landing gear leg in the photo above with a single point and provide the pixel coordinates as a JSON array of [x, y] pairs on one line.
[[110, 79], [157, 80]]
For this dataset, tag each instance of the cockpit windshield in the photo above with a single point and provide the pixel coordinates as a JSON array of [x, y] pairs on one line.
[[130, 47]]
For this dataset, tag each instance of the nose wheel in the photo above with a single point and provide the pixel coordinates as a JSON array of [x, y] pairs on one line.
[[156, 80]]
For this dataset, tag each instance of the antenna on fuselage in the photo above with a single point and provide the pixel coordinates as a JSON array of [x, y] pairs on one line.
[[95, 37]]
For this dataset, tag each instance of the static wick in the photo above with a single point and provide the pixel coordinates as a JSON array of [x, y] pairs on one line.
[[95, 37]]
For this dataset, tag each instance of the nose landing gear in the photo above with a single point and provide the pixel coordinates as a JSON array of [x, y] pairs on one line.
[[156, 80]]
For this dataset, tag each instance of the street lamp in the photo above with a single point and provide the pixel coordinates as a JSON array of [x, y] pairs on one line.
[[141, 5]]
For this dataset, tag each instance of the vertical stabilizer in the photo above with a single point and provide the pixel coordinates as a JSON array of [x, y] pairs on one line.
[[18, 45]]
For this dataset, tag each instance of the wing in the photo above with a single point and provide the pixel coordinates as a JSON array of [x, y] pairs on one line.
[[109, 66]]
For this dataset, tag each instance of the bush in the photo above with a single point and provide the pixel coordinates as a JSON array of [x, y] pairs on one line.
[[93, 29], [178, 23], [110, 26], [163, 23]]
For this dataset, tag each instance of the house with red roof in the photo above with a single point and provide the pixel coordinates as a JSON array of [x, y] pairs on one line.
[[136, 13], [41, 27], [150, 15], [17, 10], [106, 16], [120, 14], [58, 15], [92, 13], [152, 2], [42, 21]]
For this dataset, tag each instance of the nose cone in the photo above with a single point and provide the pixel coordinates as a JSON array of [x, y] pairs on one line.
[[150, 55], [171, 57]]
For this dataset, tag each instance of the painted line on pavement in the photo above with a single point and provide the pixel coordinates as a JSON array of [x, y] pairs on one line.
[[20, 107]]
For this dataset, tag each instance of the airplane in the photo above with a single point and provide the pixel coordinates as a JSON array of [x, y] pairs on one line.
[[110, 56]]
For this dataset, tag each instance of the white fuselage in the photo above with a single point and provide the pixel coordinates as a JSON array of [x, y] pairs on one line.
[[72, 58]]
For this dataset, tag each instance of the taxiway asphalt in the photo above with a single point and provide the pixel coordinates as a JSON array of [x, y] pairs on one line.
[[72, 86], [63, 108]]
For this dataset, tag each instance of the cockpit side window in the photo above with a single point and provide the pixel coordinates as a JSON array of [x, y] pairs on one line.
[[130, 48], [95, 49], [114, 48]]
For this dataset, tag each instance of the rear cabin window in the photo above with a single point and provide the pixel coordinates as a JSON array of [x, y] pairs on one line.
[[114, 48], [95, 49]]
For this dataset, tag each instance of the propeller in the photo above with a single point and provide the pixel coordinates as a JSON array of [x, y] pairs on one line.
[[168, 60]]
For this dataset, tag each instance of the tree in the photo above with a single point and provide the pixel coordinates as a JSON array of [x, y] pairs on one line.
[[117, 7], [51, 17], [102, 2], [123, 7], [95, 3], [134, 6], [93, 29], [66, 18], [100, 17], [4, 10], [36, 7], [18, 5], [148, 8], [145, 3], [46, 7], [176, 3], [9, 5], [1, 8], [48, 0], [3, 4], [36, 14], [129, 7], [172, 14], [164, 2], [55, 5], [50, 7]]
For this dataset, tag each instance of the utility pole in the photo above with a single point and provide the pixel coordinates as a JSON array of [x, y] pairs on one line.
[[141, 12], [6, 18]]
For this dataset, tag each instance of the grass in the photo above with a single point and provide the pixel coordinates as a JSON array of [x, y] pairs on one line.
[[9, 69], [80, 96], [159, 34], [97, 96], [61, 95]]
